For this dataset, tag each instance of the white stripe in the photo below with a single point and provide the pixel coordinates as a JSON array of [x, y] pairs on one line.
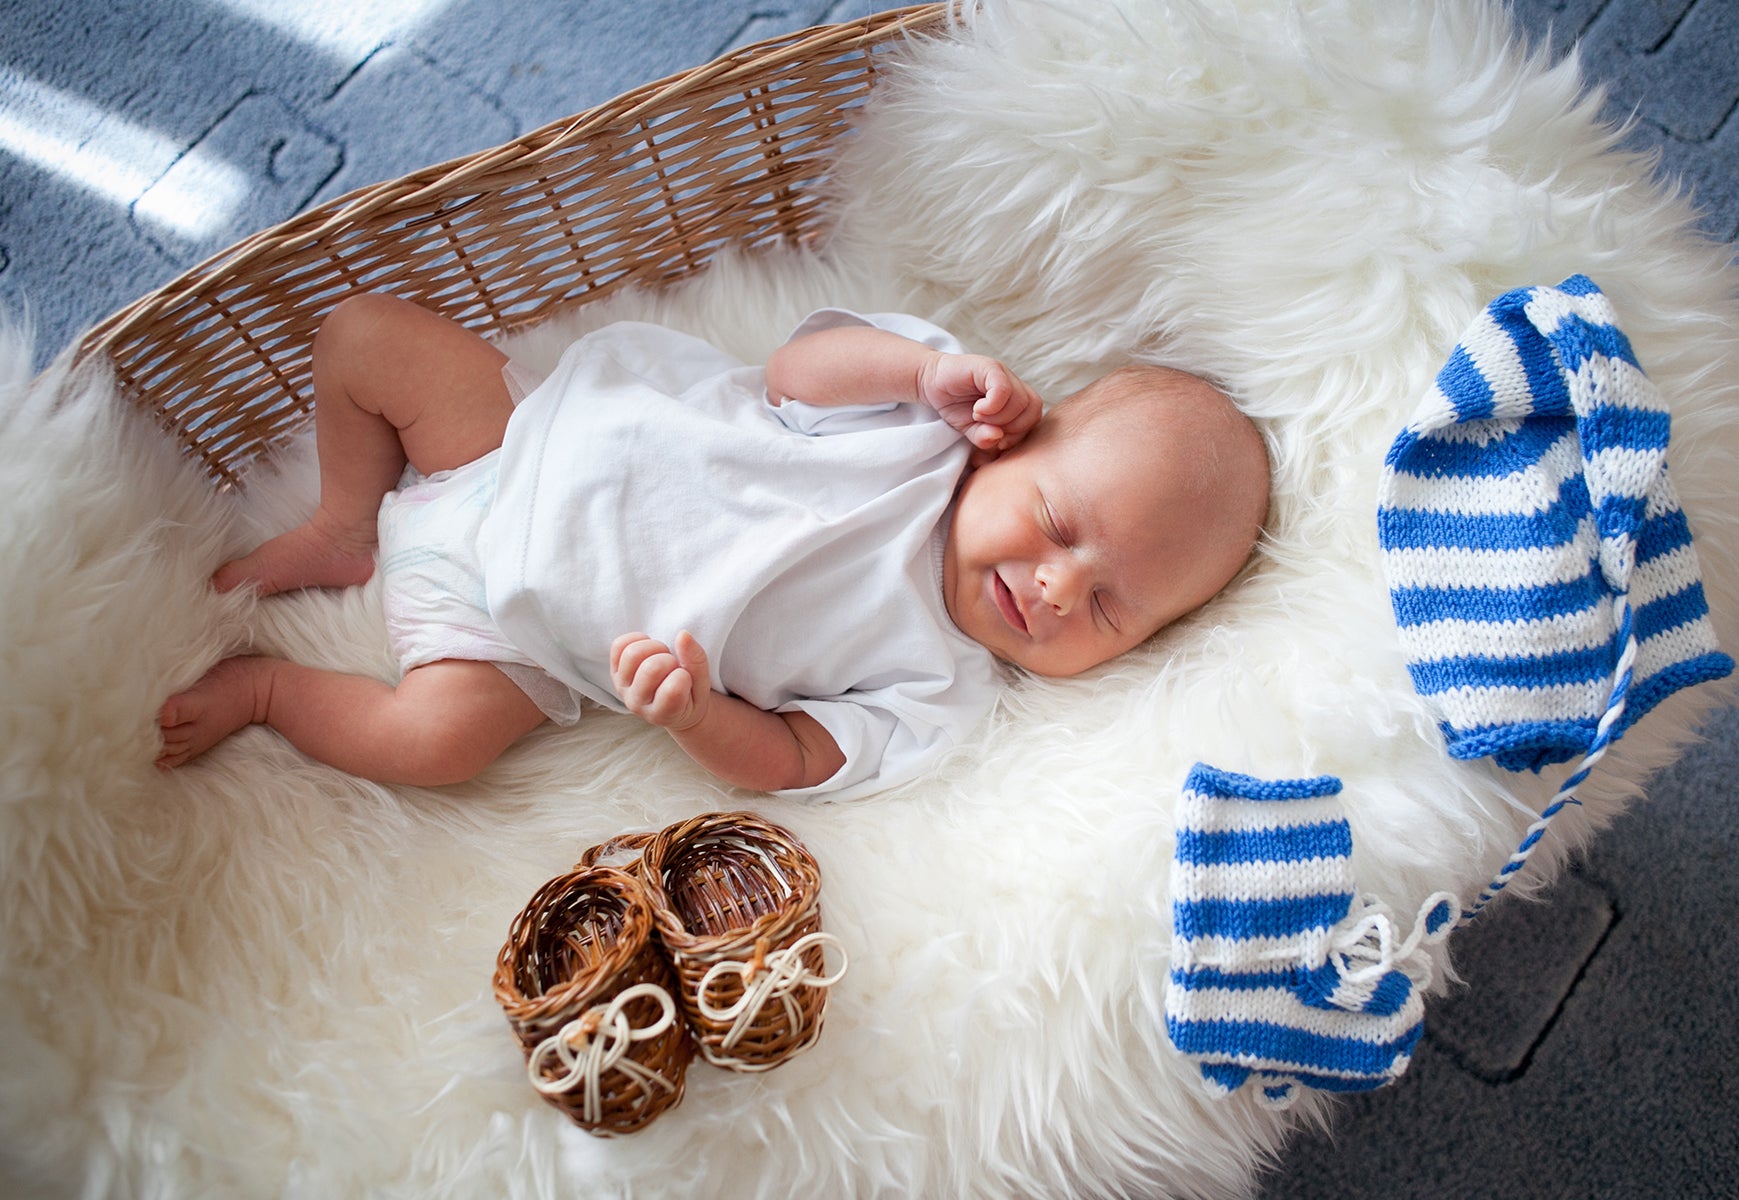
[[1509, 639], [1454, 566], [1549, 307], [1663, 499], [1278, 1006], [1478, 432], [1623, 471], [1665, 576], [1622, 384], [1263, 880], [1241, 815], [120, 161], [1249, 954], [1495, 355], [1469, 708], [1679, 644]]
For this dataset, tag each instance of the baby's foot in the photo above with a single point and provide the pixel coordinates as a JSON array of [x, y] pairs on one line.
[[310, 555], [226, 698]]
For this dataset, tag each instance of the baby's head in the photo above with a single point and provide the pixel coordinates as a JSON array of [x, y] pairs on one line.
[[1131, 503]]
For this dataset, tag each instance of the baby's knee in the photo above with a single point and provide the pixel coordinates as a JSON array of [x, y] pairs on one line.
[[455, 719], [356, 325], [436, 753]]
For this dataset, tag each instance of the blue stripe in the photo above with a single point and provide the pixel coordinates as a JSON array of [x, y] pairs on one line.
[[1411, 529], [1546, 390], [1422, 605], [1465, 385], [1437, 457], [1531, 671], [1296, 843], [1391, 995], [1606, 426], [1521, 745], [1578, 339], [1282, 1045], [1662, 535], [1620, 516], [1548, 358], [1245, 919], [1688, 672], [1668, 612], [1440, 916], [1230, 1076], [1312, 987], [1195, 979], [1211, 783], [1316, 988]]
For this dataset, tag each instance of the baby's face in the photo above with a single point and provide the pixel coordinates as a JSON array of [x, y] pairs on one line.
[[1070, 550]]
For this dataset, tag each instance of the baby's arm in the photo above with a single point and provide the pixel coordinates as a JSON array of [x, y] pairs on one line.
[[743, 745], [980, 397]]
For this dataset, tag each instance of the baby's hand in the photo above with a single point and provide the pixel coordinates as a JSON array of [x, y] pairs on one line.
[[982, 399], [667, 687]]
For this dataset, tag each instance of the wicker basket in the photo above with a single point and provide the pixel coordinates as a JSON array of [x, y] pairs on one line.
[[643, 189], [588, 993], [737, 903]]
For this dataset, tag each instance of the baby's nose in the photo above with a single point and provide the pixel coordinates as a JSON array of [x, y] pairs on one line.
[[1060, 584]]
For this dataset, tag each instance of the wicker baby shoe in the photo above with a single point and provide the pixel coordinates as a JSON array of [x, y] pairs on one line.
[[590, 996], [736, 901]]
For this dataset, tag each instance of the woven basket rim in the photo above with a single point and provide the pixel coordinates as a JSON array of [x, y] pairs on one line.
[[573, 991], [746, 63], [754, 832]]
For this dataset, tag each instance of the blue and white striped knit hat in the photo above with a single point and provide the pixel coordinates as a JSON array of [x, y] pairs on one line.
[[1282, 975], [1541, 569]]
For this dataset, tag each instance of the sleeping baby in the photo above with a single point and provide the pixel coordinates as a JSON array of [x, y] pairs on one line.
[[806, 573]]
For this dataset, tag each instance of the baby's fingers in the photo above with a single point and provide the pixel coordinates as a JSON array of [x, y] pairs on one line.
[[656, 684], [620, 646], [693, 660], [672, 702], [628, 654]]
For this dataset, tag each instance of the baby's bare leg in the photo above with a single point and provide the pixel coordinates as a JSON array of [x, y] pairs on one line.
[[444, 722], [393, 382]]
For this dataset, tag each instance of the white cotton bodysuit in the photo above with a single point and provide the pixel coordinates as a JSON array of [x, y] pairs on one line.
[[650, 484]]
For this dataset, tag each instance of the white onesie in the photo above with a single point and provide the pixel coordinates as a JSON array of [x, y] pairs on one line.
[[650, 484]]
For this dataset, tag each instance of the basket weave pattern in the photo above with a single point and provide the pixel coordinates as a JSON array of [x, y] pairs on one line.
[[710, 939], [642, 189], [584, 940], [737, 903]]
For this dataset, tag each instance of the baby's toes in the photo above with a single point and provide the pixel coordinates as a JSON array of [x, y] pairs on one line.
[[178, 712]]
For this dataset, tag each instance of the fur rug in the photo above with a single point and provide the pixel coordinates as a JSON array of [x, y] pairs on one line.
[[257, 976]]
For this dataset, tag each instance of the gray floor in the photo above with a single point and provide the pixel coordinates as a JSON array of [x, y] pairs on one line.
[[1595, 1053]]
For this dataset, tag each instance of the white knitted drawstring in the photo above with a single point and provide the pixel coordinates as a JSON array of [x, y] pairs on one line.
[[1363, 949]]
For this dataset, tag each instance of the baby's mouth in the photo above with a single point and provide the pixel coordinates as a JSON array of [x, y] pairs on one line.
[[1006, 605]]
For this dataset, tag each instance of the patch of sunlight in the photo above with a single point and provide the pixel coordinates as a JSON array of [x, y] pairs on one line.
[[350, 29], [116, 159]]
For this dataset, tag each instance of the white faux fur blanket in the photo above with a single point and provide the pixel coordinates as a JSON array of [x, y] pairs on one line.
[[257, 976]]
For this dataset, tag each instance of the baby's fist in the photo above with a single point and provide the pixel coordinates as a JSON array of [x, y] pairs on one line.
[[989, 405], [663, 685]]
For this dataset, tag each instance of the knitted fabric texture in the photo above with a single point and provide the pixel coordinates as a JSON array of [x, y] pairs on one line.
[[1282, 975], [1532, 539]]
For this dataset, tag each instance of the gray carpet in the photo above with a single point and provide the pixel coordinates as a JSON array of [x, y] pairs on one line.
[[1594, 1052]]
